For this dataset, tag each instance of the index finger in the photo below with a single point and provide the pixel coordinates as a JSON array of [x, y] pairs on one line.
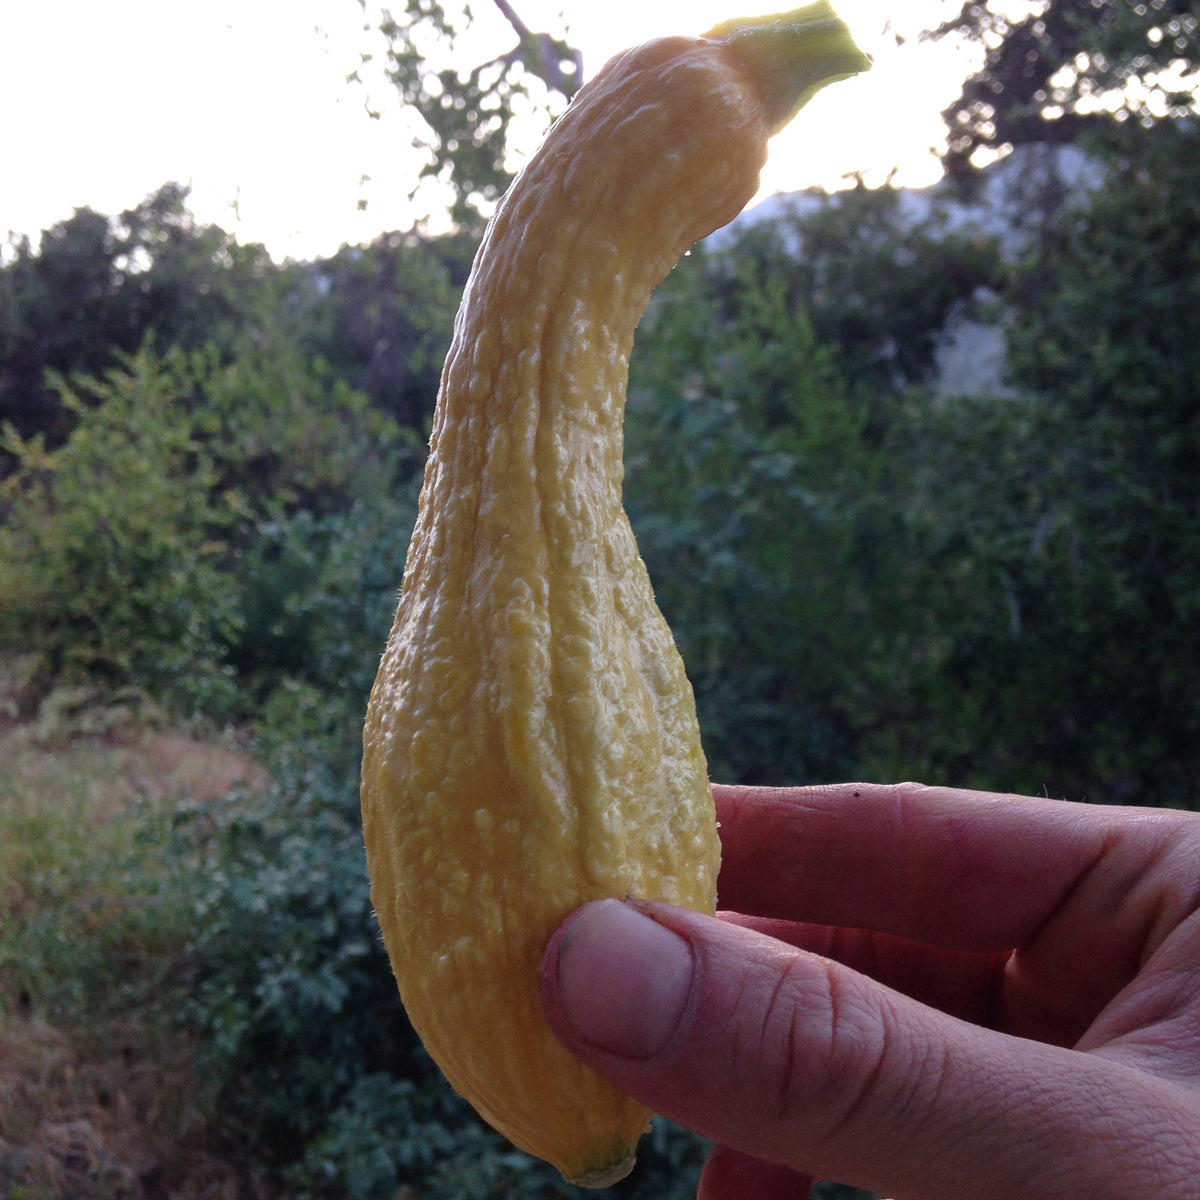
[[965, 870]]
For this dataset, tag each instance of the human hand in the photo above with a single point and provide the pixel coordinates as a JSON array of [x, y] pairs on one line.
[[935, 994]]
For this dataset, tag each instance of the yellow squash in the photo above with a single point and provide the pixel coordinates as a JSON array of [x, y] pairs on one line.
[[531, 740]]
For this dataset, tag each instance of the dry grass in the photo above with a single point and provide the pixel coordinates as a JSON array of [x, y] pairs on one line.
[[65, 828], [104, 1115], [93, 1101], [104, 775]]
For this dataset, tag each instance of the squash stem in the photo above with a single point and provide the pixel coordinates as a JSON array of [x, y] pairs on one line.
[[793, 55]]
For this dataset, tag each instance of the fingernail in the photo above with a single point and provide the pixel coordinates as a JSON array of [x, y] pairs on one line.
[[623, 979]]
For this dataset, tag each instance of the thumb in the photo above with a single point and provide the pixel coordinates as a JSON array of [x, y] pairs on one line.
[[793, 1059]]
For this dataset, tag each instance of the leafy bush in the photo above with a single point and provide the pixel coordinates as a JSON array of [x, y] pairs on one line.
[[867, 578], [110, 549], [318, 593], [750, 488], [198, 520], [309, 1058]]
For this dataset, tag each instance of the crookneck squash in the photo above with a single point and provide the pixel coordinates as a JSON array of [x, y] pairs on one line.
[[531, 739]]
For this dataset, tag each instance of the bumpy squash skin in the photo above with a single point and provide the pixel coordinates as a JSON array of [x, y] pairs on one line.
[[531, 739]]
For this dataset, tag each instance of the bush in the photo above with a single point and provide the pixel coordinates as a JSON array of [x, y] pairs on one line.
[[111, 545], [310, 1060], [750, 490], [318, 593], [204, 519]]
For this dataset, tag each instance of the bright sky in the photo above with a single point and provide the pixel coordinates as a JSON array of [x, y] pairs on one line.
[[247, 101]]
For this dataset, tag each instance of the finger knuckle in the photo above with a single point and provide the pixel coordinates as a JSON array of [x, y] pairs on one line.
[[826, 1042]]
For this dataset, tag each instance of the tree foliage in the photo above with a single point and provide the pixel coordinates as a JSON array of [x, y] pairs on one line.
[[737, 415], [467, 113], [1113, 347], [879, 282], [869, 576], [381, 316], [122, 550], [95, 286], [1071, 66], [108, 547]]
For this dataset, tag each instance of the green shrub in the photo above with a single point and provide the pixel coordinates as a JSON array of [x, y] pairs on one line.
[[750, 489], [312, 1066], [317, 596], [111, 545], [204, 519]]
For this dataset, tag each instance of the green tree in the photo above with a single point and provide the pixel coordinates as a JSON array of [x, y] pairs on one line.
[[1070, 66], [1114, 347], [111, 544], [1056, 528], [869, 577], [467, 113], [764, 384], [878, 280], [95, 286], [749, 487], [137, 551], [377, 318], [381, 316]]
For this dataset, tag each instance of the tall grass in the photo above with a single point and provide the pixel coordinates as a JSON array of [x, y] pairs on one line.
[[90, 913], [98, 1088]]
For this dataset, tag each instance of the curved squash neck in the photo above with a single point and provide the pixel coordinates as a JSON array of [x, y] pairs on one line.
[[534, 385]]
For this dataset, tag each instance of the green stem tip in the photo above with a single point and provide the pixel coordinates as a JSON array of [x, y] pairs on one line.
[[793, 55]]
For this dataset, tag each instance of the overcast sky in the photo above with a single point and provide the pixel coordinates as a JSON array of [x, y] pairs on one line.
[[247, 101]]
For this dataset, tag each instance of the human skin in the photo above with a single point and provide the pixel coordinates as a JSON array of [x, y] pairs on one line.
[[932, 993]]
